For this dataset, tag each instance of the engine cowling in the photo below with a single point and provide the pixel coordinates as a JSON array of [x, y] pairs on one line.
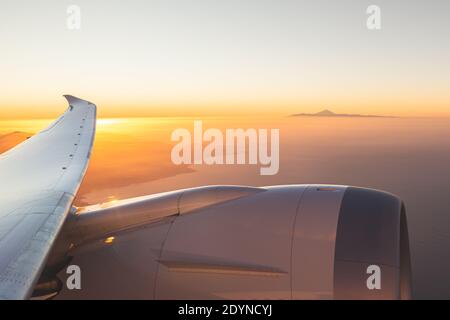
[[233, 242]]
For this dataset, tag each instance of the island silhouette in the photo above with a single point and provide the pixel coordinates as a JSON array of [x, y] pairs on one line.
[[328, 113]]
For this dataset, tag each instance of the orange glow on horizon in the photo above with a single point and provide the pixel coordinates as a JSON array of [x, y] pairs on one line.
[[388, 106]]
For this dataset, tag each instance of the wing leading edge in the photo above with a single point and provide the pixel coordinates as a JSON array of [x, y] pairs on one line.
[[39, 179]]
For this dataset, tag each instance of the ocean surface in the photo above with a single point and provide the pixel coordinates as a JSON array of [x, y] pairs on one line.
[[409, 157]]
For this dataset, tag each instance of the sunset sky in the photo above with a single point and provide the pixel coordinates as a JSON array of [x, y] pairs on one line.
[[154, 66], [168, 57]]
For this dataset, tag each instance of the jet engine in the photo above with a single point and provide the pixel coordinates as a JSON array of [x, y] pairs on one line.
[[236, 242]]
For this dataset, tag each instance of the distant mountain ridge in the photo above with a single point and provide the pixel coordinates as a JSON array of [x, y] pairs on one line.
[[328, 113], [7, 141]]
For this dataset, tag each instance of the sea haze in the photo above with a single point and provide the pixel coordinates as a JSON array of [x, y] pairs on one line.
[[405, 156]]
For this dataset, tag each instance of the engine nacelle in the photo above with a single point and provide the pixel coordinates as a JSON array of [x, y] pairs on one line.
[[232, 242]]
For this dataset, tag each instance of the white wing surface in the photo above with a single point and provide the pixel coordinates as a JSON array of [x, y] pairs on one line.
[[38, 181]]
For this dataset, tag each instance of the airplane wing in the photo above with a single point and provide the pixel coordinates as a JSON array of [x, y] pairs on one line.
[[38, 182]]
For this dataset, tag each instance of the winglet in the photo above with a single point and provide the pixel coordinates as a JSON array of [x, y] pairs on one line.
[[72, 99]]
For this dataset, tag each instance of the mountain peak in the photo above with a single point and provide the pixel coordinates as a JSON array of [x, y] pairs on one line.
[[328, 113], [325, 112]]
